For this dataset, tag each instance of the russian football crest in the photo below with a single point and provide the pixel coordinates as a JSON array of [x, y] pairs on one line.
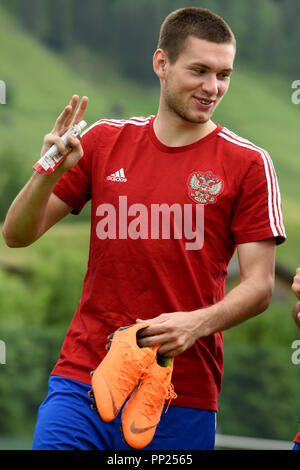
[[204, 187]]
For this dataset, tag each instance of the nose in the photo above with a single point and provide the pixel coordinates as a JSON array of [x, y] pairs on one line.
[[210, 85]]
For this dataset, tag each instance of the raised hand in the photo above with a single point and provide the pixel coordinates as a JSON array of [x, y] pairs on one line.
[[68, 118]]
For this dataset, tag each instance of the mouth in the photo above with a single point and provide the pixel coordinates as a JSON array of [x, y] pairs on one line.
[[203, 102]]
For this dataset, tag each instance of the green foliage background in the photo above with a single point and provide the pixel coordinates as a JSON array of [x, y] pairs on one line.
[[98, 52]]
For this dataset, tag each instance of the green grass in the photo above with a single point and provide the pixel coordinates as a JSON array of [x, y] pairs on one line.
[[39, 84], [64, 238], [259, 108]]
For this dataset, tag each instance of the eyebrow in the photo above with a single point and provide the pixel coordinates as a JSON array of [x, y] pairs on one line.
[[197, 64]]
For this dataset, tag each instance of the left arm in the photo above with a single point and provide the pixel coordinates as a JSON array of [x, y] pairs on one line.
[[177, 331]]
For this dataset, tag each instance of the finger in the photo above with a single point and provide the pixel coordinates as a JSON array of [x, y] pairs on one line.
[[73, 103], [168, 351], [150, 341], [152, 330], [63, 120], [75, 143], [142, 329], [81, 110], [65, 117], [53, 139], [172, 348]]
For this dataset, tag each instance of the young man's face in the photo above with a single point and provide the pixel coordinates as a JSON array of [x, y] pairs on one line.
[[194, 85]]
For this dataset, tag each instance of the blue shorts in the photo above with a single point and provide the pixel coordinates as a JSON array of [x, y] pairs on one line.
[[67, 422], [296, 446]]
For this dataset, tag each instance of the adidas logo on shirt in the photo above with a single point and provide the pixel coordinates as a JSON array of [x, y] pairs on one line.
[[118, 176]]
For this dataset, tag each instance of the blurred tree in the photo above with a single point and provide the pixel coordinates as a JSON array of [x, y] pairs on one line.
[[267, 30]]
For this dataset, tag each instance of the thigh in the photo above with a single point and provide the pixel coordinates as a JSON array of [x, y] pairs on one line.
[[66, 421], [184, 428]]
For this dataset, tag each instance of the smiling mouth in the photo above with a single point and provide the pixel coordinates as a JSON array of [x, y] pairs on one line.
[[204, 101]]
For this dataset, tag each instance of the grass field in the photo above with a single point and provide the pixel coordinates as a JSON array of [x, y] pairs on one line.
[[39, 84]]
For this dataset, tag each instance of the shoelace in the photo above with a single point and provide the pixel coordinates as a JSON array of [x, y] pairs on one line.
[[171, 395], [154, 397]]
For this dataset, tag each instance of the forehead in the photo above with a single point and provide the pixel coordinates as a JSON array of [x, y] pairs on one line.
[[210, 54]]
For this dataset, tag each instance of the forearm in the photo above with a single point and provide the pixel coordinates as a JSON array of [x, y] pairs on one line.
[[243, 302], [177, 331], [25, 215]]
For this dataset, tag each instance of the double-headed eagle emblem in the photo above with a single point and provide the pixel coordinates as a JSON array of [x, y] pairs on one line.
[[204, 187]]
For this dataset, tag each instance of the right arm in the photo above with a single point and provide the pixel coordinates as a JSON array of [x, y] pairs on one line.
[[296, 290], [36, 208]]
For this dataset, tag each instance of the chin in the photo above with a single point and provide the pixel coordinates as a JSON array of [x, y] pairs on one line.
[[199, 119]]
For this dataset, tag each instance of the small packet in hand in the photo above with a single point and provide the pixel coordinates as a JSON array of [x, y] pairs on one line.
[[52, 158]]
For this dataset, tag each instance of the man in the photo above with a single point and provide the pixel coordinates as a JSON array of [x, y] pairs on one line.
[[296, 315], [173, 196], [296, 290]]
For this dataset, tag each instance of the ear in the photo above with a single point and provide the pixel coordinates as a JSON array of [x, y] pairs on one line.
[[160, 61]]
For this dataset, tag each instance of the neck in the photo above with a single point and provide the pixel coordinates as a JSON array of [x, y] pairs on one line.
[[174, 131]]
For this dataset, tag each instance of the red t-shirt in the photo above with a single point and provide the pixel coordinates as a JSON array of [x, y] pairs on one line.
[[165, 222], [297, 438]]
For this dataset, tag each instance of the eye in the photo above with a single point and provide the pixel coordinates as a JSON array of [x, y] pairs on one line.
[[199, 71], [223, 76]]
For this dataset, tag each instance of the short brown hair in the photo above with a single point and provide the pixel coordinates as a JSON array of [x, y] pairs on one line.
[[193, 21]]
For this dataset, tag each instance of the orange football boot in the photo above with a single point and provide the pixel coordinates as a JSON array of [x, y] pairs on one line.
[[120, 371], [142, 412]]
